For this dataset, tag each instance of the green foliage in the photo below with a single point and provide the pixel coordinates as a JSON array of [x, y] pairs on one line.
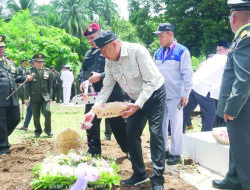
[[199, 24], [140, 17], [26, 39], [125, 30], [53, 182]]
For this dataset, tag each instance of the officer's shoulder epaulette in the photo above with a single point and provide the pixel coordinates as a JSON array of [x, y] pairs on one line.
[[31, 68], [245, 33], [47, 69]]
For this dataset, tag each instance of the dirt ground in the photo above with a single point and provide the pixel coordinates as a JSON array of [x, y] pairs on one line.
[[15, 167]]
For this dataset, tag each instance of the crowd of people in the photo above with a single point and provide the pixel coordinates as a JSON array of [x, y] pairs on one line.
[[162, 91]]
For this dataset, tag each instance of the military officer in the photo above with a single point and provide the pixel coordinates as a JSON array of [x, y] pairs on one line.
[[52, 70], [21, 70], [234, 100], [40, 92], [9, 108], [59, 83]]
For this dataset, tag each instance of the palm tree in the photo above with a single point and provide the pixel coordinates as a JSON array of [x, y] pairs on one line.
[[47, 15], [107, 9], [74, 14], [15, 6]]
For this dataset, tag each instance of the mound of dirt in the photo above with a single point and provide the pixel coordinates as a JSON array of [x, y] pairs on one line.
[[15, 167]]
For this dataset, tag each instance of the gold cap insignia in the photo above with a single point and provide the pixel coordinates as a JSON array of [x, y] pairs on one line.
[[1, 38], [90, 29], [40, 55]]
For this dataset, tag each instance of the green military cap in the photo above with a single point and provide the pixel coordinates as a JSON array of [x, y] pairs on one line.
[[38, 57], [2, 38], [239, 5]]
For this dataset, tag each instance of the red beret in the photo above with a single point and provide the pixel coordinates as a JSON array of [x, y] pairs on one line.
[[91, 29]]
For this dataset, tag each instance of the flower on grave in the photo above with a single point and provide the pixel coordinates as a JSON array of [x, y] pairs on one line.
[[75, 170]]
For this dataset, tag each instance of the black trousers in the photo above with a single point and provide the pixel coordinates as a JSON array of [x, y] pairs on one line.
[[118, 126], [9, 119], [239, 132], [153, 111]]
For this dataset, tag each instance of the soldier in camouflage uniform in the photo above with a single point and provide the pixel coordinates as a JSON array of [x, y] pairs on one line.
[[40, 92]]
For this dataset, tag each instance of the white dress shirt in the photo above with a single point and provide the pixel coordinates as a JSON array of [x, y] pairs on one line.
[[67, 77], [209, 75]]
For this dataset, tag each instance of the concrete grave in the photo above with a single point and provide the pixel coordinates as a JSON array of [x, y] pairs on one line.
[[203, 148]]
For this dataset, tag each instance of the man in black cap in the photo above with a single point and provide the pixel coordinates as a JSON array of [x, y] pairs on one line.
[[206, 87], [131, 65], [40, 91], [93, 70], [234, 100], [9, 108]]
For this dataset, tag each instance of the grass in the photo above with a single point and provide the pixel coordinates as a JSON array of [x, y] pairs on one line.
[[63, 117]]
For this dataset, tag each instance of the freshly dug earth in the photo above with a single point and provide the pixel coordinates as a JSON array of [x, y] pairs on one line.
[[15, 167]]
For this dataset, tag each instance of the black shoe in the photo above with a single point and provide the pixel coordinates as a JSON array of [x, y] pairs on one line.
[[50, 134], [222, 184], [173, 159], [108, 137], [135, 180], [167, 154], [157, 187], [37, 135]]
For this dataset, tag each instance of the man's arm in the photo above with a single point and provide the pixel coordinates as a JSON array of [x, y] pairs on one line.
[[187, 72]]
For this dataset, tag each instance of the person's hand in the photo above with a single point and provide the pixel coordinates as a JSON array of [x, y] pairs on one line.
[[29, 77], [88, 117], [50, 101], [95, 77], [26, 102], [228, 117], [184, 101], [82, 85], [131, 109]]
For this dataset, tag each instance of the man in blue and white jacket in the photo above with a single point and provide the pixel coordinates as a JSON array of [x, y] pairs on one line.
[[174, 62]]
